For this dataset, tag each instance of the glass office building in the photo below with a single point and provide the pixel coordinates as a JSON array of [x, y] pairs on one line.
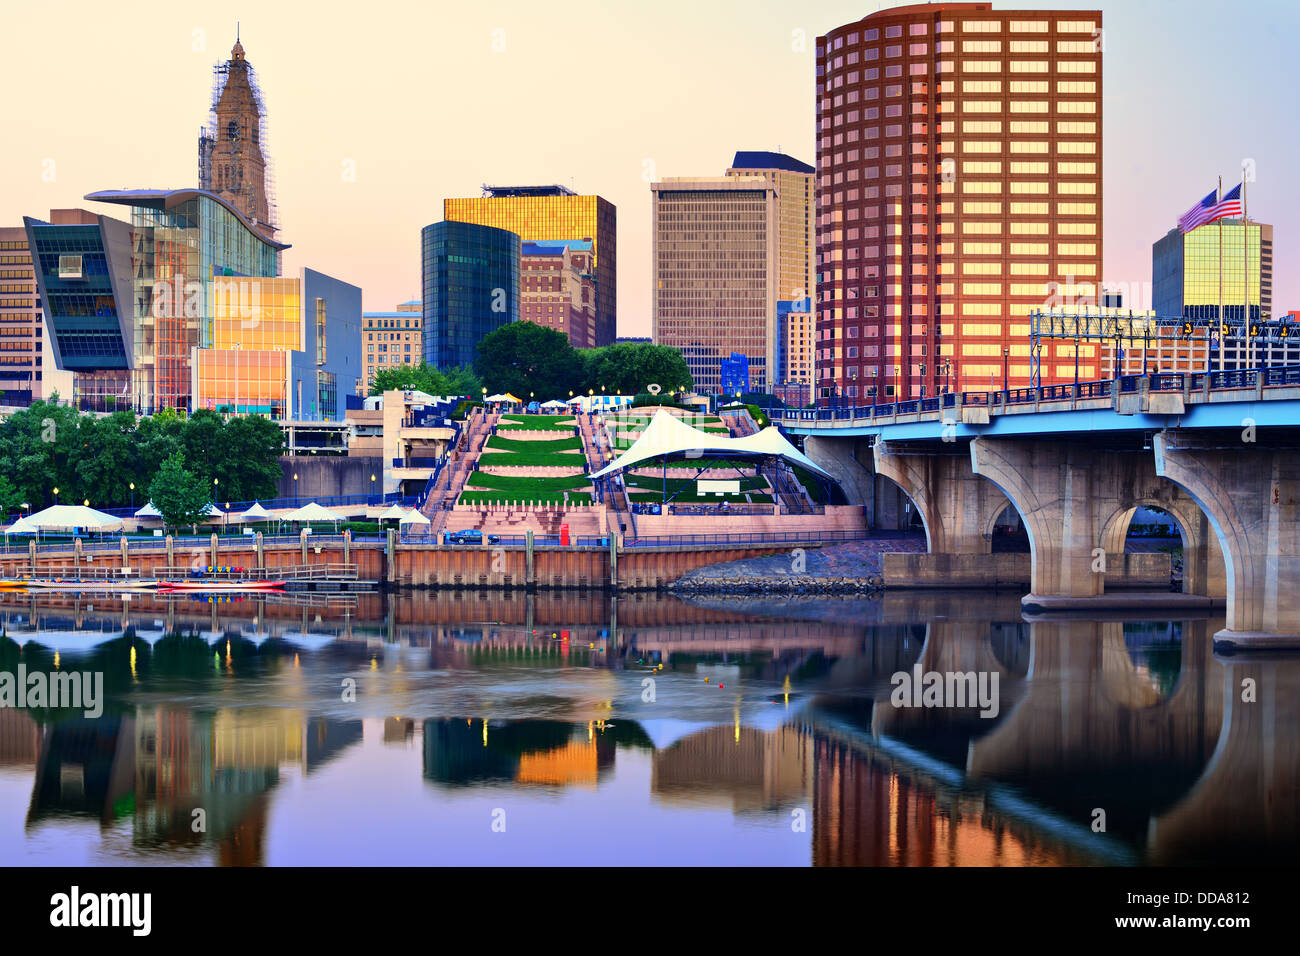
[[184, 308], [471, 288], [554, 214]]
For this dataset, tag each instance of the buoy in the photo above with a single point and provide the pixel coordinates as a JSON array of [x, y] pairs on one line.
[[706, 680], [720, 686]]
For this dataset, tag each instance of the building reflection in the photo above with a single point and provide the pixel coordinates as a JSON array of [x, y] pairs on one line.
[[181, 780], [463, 752]]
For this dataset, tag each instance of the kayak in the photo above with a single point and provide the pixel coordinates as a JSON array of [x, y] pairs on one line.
[[220, 585]]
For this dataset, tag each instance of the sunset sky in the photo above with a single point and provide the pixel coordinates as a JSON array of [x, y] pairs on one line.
[[601, 97]]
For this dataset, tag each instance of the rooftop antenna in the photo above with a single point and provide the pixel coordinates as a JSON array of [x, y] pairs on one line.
[[236, 31]]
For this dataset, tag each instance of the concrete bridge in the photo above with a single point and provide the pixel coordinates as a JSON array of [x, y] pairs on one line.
[[1219, 452]]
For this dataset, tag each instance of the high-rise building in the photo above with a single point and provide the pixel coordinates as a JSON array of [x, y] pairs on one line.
[[796, 251], [183, 307], [232, 148], [554, 214], [795, 326], [471, 288], [959, 180], [27, 368], [558, 289], [1188, 282], [714, 289], [390, 340]]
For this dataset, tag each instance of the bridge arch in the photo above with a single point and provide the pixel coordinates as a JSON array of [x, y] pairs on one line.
[[1204, 571]]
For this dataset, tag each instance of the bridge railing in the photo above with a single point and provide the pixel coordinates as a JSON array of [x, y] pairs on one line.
[[1237, 379]]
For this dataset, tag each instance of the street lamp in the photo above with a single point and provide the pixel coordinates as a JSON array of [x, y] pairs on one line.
[[133, 496], [372, 489], [295, 486], [56, 495], [1006, 357]]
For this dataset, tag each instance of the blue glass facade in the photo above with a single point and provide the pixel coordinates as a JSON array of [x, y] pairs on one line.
[[83, 274], [471, 288], [329, 365]]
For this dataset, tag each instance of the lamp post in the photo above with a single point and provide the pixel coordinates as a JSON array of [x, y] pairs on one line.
[[56, 494], [295, 487], [372, 489], [1006, 357], [133, 497]]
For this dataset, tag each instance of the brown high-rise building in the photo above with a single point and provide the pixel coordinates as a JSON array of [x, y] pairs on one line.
[[27, 368], [959, 189], [232, 163], [557, 289]]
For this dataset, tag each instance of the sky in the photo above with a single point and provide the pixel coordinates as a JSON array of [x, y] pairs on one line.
[[377, 112]]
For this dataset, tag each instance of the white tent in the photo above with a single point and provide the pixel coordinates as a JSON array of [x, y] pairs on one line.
[[148, 511], [255, 513], [21, 526], [215, 512], [66, 518], [554, 403], [506, 397], [414, 517], [668, 435], [311, 512], [394, 513]]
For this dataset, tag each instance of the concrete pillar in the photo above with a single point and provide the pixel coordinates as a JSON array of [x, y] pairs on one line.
[[957, 507], [613, 561], [31, 553], [1076, 499], [530, 574], [347, 546], [126, 560], [1251, 493], [215, 551], [390, 552], [171, 552], [302, 543], [76, 557], [260, 546]]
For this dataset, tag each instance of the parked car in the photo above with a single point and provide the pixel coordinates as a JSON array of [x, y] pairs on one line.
[[470, 536]]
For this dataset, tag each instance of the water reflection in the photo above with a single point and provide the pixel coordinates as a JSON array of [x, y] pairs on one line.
[[638, 730]]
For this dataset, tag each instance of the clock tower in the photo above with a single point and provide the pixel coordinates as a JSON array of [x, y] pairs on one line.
[[231, 161]]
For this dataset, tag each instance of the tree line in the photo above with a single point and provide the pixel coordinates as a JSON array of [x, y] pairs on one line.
[[527, 359], [85, 457]]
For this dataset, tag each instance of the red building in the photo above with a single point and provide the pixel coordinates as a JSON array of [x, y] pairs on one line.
[[958, 189]]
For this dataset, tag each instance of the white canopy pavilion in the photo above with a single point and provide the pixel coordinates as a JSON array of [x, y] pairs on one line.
[[667, 435]]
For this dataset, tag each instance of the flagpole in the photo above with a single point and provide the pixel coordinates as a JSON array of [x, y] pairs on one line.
[[1245, 272], [1219, 322]]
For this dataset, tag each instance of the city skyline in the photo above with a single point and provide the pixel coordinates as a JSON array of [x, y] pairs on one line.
[[354, 159]]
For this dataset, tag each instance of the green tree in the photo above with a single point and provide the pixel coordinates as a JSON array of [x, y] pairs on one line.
[[628, 367], [524, 357], [11, 497], [181, 496], [426, 378]]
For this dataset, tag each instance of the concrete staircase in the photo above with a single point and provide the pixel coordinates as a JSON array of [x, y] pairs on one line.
[[462, 461]]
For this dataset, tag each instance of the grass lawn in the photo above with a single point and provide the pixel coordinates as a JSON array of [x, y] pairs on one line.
[[497, 443], [526, 487], [557, 453], [536, 423], [503, 497], [676, 484]]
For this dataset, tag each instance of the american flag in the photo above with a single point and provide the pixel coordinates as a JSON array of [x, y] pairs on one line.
[[1208, 210]]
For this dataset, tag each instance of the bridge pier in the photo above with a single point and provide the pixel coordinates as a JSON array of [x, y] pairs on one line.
[[1076, 500], [957, 508], [849, 461], [1250, 494]]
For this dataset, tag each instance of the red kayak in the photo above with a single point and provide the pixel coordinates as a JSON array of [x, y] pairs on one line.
[[221, 585]]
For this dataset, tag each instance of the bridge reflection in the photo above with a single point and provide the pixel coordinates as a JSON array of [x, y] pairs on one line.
[[1191, 757]]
